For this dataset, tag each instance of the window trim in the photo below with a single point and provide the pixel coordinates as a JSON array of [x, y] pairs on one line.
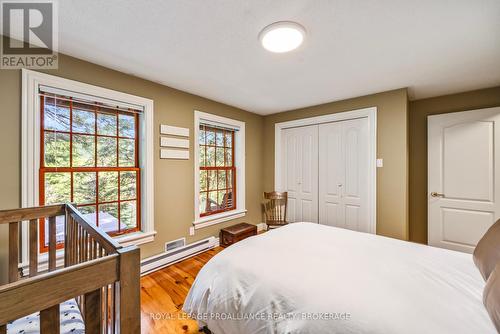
[[43, 170], [30, 147], [226, 168], [95, 168], [239, 161]]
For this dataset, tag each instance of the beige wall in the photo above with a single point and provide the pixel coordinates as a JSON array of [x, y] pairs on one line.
[[392, 146], [401, 132], [174, 187], [419, 110], [10, 137]]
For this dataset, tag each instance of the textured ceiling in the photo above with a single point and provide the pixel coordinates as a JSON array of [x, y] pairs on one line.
[[353, 47]]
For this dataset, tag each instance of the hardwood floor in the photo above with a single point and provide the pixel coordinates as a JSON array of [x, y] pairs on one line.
[[163, 293]]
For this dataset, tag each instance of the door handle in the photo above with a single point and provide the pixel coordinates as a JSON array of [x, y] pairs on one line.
[[435, 194]]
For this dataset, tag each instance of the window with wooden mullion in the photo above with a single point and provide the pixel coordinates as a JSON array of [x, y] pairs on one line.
[[217, 170], [89, 156]]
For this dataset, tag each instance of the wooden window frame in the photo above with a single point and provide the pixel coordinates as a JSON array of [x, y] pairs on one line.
[[31, 84], [203, 118], [226, 168], [44, 170]]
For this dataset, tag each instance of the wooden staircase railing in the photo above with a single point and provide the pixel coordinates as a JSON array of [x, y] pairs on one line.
[[99, 273]]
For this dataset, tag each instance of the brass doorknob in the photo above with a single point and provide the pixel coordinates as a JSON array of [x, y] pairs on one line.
[[435, 194]]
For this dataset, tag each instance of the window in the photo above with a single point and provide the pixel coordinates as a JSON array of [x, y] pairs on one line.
[[89, 156], [219, 169], [92, 146]]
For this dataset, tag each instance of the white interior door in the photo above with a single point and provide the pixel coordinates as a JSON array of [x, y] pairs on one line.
[[463, 181], [300, 172], [343, 174]]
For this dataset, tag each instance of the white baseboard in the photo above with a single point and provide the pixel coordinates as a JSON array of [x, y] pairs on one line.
[[157, 262]]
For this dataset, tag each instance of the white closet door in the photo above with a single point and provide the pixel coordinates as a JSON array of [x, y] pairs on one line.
[[300, 172], [343, 174], [355, 188], [331, 171]]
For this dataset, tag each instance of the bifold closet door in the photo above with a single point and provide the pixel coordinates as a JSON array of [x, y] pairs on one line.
[[300, 172], [343, 174]]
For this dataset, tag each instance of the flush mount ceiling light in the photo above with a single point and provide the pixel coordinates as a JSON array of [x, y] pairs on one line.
[[283, 36]]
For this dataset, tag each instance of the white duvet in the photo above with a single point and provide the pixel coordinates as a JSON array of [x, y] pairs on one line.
[[310, 278]]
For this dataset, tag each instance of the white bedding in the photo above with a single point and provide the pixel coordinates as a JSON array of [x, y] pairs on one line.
[[354, 282]]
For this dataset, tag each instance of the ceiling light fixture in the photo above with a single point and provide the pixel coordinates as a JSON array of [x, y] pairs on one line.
[[283, 36]]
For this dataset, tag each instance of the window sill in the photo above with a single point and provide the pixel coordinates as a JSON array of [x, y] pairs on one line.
[[218, 218], [137, 238]]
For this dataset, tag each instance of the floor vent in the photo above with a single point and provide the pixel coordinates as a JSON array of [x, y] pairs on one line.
[[176, 254]]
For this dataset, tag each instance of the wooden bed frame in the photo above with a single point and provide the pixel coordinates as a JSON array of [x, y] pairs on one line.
[[100, 274]]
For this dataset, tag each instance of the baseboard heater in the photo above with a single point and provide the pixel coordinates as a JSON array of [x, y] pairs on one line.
[[162, 260]]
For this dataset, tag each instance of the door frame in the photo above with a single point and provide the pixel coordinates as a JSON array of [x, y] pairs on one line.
[[371, 114]]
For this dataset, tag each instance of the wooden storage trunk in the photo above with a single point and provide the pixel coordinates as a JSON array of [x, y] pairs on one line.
[[235, 233]]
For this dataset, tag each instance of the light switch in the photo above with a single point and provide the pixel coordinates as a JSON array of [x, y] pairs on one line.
[[380, 163]]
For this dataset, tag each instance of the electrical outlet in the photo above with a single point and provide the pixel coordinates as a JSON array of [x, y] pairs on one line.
[[380, 163], [191, 230]]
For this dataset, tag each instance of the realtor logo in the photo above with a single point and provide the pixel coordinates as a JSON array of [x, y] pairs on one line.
[[29, 34]]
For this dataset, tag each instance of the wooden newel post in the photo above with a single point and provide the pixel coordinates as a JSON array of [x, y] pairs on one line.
[[130, 294]]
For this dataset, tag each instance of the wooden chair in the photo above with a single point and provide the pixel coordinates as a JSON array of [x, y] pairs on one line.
[[275, 208]]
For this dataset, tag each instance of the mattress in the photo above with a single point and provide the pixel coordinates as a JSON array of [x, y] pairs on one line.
[[70, 317], [310, 278]]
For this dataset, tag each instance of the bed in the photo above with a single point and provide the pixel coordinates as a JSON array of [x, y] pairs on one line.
[[310, 278]]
